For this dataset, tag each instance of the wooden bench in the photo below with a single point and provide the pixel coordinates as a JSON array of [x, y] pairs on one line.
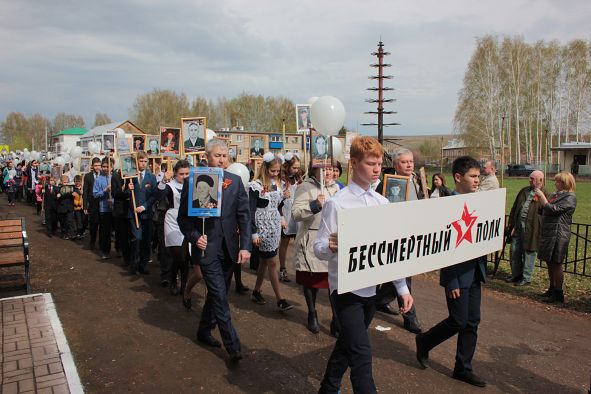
[[14, 247]]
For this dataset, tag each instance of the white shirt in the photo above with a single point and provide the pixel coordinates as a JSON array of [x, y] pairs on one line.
[[352, 196]]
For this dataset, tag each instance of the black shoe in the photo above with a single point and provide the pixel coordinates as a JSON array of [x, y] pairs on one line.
[[548, 292], [208, 340], [235, 357], [469, 378], [413, 326], [165, 283], [388, 309], [241, 289], [522, 282], [422, 353], [511, 279], [556, 296], [257, 297], [283, 305], [173, 289], [187, 303], [312, 325], [126, 263], [105, 256], [143, 271]]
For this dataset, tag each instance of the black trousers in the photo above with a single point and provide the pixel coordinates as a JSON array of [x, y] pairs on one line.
[[78, 222], [123, 236], [66, 221], [352, 349], [51, 221], [216, 311], [463, 319], [105, 226], [180, 263], [387, 293], [164, 257], [140, 243], [93, 225]]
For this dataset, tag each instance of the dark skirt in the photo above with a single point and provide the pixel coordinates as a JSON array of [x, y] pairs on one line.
[[315, 280]]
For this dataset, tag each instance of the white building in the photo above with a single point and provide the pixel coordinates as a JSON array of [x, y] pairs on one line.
[[65, 140]]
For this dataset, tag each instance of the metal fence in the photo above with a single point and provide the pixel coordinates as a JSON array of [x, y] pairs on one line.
[[578, 258]]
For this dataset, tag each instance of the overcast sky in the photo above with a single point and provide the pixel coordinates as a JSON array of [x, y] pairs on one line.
[[87, 56]]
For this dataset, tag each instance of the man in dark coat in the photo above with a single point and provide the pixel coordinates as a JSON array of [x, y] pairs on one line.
[[524, 225], [226, 241], [462, 289]]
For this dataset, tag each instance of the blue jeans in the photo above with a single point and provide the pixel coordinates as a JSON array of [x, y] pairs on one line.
[[352, 348], [216, 309], [522, 261]]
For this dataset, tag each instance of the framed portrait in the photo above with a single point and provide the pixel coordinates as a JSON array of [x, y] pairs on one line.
[[56, 171], [108, 142], [84, 166], [233, 152], [303, 118], [153, 145], [128, 163], [395, 187], [194, 134], [205, 193], [170, 142], [257, 145], [125, 145], [320, 150], [139, 142]]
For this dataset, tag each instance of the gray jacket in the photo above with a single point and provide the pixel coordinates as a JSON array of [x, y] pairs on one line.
[[557, 217]]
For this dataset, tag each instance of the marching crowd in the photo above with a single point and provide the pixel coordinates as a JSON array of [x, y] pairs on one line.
[[147, 216]]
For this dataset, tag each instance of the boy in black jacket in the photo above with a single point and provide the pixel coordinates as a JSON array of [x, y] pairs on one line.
[[65, 208], [50, 206]]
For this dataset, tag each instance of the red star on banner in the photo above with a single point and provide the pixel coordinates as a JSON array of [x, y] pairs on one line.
[[464, 226]]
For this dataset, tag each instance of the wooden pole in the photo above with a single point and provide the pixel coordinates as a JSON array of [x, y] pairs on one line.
[[283, 136], [424, 186], [137, 222], [168, 164]]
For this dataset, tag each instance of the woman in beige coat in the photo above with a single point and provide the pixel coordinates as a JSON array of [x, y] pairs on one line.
[[311, 273]]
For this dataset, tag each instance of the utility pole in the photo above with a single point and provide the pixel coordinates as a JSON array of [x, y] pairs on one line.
[[380, 65]]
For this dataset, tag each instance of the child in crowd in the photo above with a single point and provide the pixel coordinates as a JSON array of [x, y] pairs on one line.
[[265, 195], [50, 206], [65, 207], [39, 199], [78, 208]]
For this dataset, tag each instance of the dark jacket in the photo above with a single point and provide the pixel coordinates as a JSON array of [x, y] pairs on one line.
[[444, 191], [121, 196], [65, 202], [89, 202], [233, 225], [557, 217], [50, 197], [533, 223], [145, 195], [461, 276]]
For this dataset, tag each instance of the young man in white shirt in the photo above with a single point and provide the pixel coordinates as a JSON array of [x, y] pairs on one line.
[[354, 310]]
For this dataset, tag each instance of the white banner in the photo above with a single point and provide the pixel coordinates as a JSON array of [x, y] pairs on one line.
[[393, 241]]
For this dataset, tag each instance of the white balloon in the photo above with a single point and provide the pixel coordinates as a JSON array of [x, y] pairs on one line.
[[27, 155], [241, 170], [210, 134], [76, 152], [328, 114], [66, 157], [312, 100], [120, 133], [76, 162], [337, 148], [35, 155], [59, 161]]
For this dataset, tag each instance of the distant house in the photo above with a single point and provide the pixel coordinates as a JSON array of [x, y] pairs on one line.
[[456, 148], [65, 140], [96, 133], [575, 157]]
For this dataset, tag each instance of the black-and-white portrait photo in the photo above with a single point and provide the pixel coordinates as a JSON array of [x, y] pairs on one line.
[[205, 194], [108, 142], [320, 147], [395, 188], [257, 146], [303, 117], [139, 143], [128, 164], [233, 152], [194, 134]]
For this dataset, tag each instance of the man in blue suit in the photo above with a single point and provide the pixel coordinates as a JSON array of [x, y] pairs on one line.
[[462, 289], [144, 188], [226, 241]]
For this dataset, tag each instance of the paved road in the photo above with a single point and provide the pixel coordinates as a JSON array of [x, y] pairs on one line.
[[128, 335]]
